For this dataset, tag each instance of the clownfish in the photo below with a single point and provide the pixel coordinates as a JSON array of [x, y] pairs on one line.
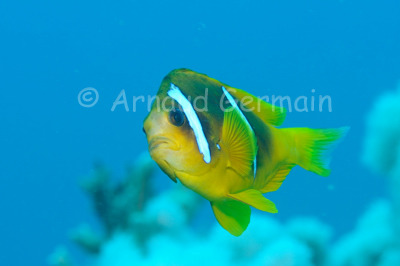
[[224, 144]]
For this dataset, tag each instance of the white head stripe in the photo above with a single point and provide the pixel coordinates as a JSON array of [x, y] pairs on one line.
[[194, 122], [234, 105]]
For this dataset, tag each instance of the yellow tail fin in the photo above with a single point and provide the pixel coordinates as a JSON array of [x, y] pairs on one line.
[[313, 147]]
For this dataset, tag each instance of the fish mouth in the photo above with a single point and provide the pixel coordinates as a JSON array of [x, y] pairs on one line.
[[160, 141], [166, 167]]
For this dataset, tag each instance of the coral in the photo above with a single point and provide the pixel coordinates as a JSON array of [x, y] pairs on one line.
[[266, 243], [376, 238], [86, 238], [390, 257], [314, 233], [372, 236], [262, 231], [115, 204], [157, 231], [60, 257], [144, 228], [382, 142], [285, 251], [382, 146], [131, 214], [119, 250]]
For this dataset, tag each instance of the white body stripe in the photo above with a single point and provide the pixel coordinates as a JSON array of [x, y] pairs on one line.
[[234, 105], [194, 122]]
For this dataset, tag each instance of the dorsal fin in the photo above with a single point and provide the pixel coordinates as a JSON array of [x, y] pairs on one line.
[[268, 113], [239, 142]]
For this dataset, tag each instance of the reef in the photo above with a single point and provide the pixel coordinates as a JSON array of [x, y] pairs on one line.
[[142, 227], [376, 238]]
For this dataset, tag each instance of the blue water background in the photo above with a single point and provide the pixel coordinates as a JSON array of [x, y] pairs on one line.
[[50, 50]]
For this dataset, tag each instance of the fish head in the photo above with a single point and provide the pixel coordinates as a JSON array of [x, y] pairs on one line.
[[184, 125], [171, 141]]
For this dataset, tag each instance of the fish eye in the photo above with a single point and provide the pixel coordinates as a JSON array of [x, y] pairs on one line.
[[176, 117]]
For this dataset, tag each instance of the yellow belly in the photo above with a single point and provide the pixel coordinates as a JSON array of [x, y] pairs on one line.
[[215, 184]]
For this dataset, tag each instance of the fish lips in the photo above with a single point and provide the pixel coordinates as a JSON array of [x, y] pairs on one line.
[[164, 143], [161, 142]]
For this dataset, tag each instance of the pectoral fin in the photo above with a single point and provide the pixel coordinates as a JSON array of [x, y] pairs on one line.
[[239, 142], [232, 215], [254, 198]]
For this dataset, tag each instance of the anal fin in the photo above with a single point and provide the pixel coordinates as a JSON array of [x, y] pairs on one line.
[[273, 183], [255, 199]]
